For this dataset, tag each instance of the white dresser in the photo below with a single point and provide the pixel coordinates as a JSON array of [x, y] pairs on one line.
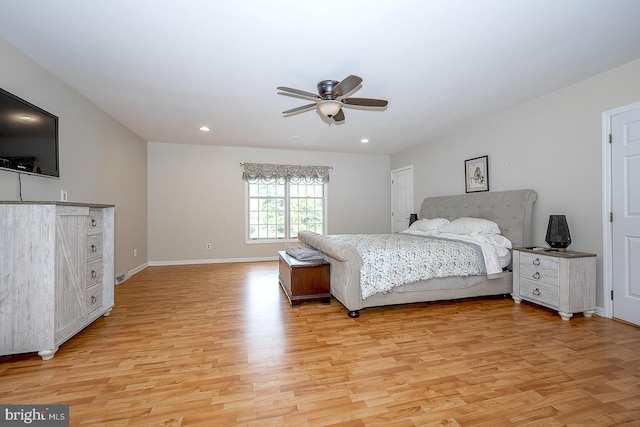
[[56, 272], [563, 281]]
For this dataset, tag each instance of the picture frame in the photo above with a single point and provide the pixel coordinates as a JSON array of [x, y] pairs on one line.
[[476, 174]]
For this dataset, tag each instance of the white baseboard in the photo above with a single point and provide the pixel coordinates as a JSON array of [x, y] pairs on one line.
[[124, 277], [600, 311], [210, 261], [138, 269]]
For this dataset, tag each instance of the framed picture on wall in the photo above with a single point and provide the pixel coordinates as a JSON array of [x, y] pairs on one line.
[[476, 174]]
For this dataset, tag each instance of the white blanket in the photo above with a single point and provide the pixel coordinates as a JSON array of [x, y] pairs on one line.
[[496, 257], [390, 260]]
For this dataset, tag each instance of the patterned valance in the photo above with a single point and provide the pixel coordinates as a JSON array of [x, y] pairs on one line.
[[266, 172]]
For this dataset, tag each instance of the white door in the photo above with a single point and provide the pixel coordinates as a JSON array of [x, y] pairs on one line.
[[402, 198], [625, 193]]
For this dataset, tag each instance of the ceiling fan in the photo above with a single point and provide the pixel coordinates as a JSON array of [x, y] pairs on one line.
[[331, 98]]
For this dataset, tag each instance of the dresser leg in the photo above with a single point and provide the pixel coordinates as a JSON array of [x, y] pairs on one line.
[[47, 354], [565, 316], [516, 299], [588, 313]]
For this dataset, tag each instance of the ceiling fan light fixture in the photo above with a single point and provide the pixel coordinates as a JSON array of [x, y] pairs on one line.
[[331, 97], [329, 107]]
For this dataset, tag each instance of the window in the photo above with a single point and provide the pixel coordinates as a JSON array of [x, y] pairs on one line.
[[306, 208], [279, 209], [283, 200]]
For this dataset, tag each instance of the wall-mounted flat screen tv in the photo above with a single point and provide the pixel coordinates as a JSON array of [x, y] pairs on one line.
[[28, 137]]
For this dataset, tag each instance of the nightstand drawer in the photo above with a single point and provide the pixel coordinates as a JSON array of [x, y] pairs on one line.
[[539, 292], [539, 268]]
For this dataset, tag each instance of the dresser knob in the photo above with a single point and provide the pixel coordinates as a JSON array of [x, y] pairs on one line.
[[94, 274], [93, 222], [93, 299], [94, 248], [536, 275], [536, 261], [536, 291]]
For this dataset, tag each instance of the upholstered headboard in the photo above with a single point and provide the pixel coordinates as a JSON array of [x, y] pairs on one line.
[[511, 210]]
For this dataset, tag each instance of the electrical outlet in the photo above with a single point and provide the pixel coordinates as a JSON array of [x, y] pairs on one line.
[[63, 196], [208, 245], [135, 252]]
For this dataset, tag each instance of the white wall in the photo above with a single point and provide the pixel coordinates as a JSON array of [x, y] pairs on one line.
[[101, 161], [196, 195], [552, 144]]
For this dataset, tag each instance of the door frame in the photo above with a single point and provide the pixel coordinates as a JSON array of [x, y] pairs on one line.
[[607, 204]]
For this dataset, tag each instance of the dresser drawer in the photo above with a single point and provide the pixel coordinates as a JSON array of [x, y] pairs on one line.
[[539, 268], [94, 298], [539, 292], [95, 221], [94, 272], [94, 246]]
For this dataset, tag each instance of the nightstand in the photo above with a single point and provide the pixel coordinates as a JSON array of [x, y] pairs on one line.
[[304, 281], [562, 281]]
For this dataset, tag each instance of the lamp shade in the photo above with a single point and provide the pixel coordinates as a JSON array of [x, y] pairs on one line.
[[558, 236], [329, 108], [412, 218]]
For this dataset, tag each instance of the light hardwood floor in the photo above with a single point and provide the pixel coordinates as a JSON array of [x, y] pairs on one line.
[[216, 345]]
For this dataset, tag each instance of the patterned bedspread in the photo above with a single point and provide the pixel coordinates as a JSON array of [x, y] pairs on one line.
[[390, 260]]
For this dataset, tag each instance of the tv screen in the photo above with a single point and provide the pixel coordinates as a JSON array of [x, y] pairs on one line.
[[28, 137]]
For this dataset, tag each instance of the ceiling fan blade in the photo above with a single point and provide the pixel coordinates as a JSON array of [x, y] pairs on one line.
[[339, 116], [299, 92], [346, 86], [366, 102], [301, 108]]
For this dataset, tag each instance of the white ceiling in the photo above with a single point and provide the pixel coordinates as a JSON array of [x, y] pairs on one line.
[[164, 68]]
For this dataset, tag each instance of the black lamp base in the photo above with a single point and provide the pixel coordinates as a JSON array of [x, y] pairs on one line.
[[558, 236]]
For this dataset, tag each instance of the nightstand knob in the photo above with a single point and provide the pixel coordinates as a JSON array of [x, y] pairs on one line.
[[536, 291], [536, 261], [536, 275]]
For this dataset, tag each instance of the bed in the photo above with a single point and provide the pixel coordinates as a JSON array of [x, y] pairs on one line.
[[510, 210]]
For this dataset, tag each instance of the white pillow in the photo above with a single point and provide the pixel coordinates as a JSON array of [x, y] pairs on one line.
[[428, 224], [470, 226]]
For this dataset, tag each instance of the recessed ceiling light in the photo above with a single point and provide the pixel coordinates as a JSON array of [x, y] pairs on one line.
[[26, 118], [205, 129], [364, 140]]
